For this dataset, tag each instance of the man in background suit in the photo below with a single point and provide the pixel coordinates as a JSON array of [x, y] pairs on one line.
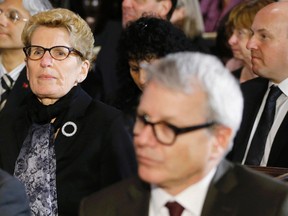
[[102, 82], [13, 17], [269, 51], [13, 199], [186, 120]]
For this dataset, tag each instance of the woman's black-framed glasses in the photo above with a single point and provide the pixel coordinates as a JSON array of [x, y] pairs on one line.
[[164, 132], [56, 52]]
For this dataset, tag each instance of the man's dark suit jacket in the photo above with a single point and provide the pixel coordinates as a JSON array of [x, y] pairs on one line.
[[99, 154], [16, 98], [13, 199], [15, 104], [253, 92], [234, 191]]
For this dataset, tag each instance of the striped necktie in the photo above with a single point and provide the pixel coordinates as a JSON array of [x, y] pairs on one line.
[[7, 84]]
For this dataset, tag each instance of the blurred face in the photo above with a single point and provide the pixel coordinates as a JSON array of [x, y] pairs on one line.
[[51, 79], [269, 43], [174, 167], [138, 74], [134, 9], [238, 42], [10, 31], [178, 15]]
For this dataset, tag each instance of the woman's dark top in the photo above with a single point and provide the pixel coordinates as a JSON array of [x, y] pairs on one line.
[[99, 154]]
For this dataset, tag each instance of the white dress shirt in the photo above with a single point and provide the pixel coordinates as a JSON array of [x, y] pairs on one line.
[[280, 112], [192, 198]]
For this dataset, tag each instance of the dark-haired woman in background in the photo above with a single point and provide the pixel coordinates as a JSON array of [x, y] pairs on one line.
[[143, 41]]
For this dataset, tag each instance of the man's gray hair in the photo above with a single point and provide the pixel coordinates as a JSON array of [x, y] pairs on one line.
[[35, 6], [185, 71]]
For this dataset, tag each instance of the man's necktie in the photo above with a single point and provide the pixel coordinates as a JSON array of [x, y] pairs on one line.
[[7, 84], [175, 209], [257, 147]]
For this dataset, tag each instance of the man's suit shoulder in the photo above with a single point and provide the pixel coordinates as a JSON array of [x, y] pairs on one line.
[[119, 190], [260, 185], [259, 178], [242, 191], [253, 86], [247, 178], [119, 195]]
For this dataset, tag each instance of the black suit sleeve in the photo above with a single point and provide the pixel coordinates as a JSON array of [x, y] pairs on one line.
[[13, 200]]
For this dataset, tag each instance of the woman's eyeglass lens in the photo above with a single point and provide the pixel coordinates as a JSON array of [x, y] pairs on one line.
[[57, 52]]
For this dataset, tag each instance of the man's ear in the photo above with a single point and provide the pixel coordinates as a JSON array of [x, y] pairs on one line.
[[164, 8], [223, 138]]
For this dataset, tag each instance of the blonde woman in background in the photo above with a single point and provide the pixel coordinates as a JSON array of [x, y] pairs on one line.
[[238, 30], [187, 16]]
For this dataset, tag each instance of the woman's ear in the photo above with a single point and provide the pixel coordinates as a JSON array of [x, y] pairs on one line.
[[85, 65]]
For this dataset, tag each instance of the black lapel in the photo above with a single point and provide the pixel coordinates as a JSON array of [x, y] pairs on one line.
[[280, 146], [18, 94], [139, 194], [218, 201], [253, 92]]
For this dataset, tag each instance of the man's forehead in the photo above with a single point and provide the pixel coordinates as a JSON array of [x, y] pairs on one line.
[[162, 100], [274, 10], [13, 4], [147, 1], [269, 22]]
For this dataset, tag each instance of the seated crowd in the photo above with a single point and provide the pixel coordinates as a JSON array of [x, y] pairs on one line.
[[155, 123]]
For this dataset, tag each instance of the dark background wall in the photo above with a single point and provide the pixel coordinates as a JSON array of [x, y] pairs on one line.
[[95, 12]]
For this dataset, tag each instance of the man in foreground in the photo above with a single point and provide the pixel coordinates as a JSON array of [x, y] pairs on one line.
[[187, 117]]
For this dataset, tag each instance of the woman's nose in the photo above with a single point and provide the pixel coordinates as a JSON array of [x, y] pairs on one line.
[[232, 40], [142, 76], [46, 60]]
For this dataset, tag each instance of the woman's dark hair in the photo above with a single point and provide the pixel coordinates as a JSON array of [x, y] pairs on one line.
[[145, 39]]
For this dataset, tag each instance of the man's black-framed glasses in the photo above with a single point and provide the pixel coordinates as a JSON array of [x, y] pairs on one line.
[[56, 52], [164, 132], [13, 16]]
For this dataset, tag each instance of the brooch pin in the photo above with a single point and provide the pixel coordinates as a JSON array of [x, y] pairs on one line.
[[69, 129]]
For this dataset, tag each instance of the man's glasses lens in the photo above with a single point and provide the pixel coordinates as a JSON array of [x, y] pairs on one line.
[[12, 15], [162, 132]]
